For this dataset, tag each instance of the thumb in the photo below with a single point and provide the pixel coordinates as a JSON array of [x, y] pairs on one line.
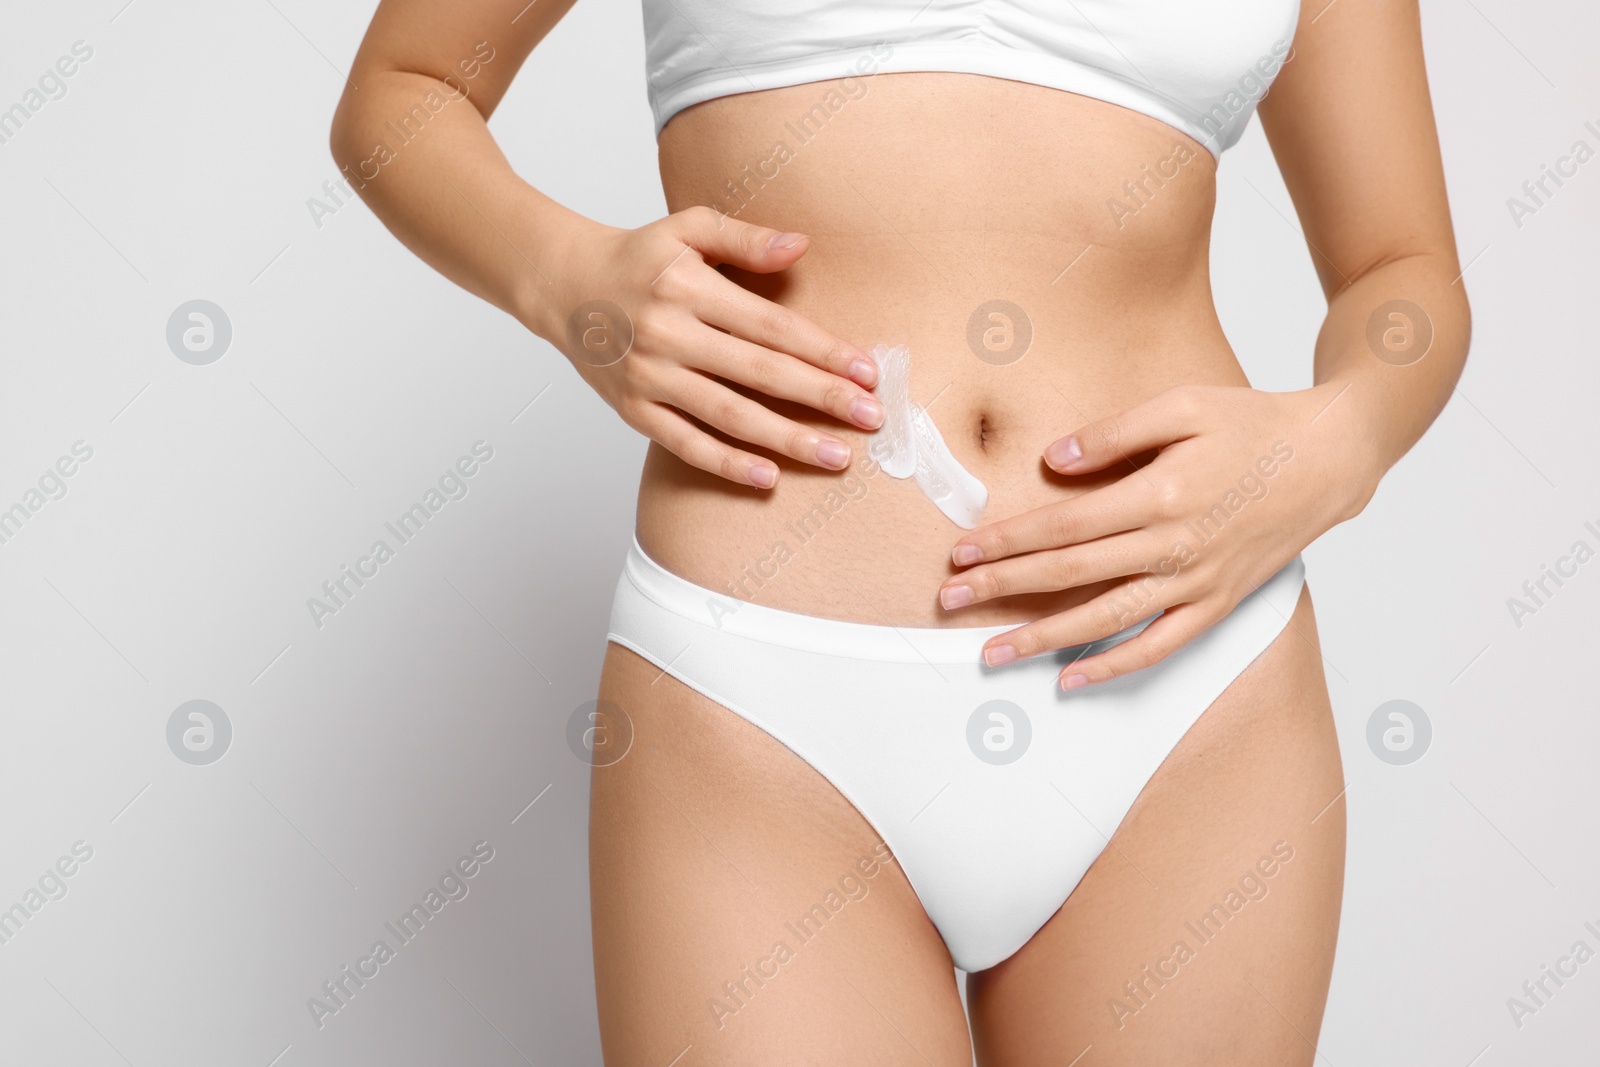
[[723, 239]]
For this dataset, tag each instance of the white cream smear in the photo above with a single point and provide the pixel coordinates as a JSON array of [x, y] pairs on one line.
[[908, 444]]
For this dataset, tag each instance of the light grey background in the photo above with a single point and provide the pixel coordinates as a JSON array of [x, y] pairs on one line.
[[430, 712]]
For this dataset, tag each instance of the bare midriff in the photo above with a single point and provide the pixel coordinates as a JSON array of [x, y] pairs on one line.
[[965, 217]]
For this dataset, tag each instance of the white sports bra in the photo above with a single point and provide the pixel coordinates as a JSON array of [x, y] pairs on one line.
[[1200, 66]]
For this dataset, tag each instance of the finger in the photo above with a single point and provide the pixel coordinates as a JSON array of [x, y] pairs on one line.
[[699, 449], [744, 314], [747, 420], [1109, 613], [1112, 509], [1176, 628], [722, 238], [1169, 416], [1048, 571], [776, 374]]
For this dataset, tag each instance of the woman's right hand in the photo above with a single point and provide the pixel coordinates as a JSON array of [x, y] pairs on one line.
[[652, 325]]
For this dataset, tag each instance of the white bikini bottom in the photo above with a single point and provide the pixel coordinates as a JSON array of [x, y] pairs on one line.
[[994, 788]]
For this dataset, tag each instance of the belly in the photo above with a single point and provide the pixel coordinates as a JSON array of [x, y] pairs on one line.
[[1043, 256]]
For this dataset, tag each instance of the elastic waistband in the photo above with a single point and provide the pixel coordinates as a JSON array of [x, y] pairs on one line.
[[836, 637]]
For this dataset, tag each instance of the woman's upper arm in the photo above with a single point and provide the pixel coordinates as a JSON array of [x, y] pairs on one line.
[[479, 43], [1350, 121]]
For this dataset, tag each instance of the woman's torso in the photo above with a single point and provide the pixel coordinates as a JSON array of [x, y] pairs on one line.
[[929, 197]]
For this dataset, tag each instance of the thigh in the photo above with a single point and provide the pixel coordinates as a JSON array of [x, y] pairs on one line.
[[1205, 932], [743, 911]]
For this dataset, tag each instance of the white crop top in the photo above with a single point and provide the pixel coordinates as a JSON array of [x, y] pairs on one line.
[[1200, 66]]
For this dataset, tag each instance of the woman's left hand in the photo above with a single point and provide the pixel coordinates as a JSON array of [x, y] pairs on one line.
[[1244, 481]]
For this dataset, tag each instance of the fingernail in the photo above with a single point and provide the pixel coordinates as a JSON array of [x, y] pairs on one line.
[[864, 371], [785, 240], [962, 555], [866, 411], [1063, 453], [1073, 681], [834, 454], [763, 476], [999, 654], [955, 596]]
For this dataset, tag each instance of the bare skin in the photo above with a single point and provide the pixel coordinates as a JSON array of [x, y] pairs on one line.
[[709, 838], [920, 199]]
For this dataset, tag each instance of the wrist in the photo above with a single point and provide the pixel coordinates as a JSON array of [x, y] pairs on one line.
[[1339, 424], [540, 294]]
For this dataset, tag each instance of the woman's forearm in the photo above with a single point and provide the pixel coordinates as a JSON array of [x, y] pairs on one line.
[[419, 153], [704, 352], [1387, 359]]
